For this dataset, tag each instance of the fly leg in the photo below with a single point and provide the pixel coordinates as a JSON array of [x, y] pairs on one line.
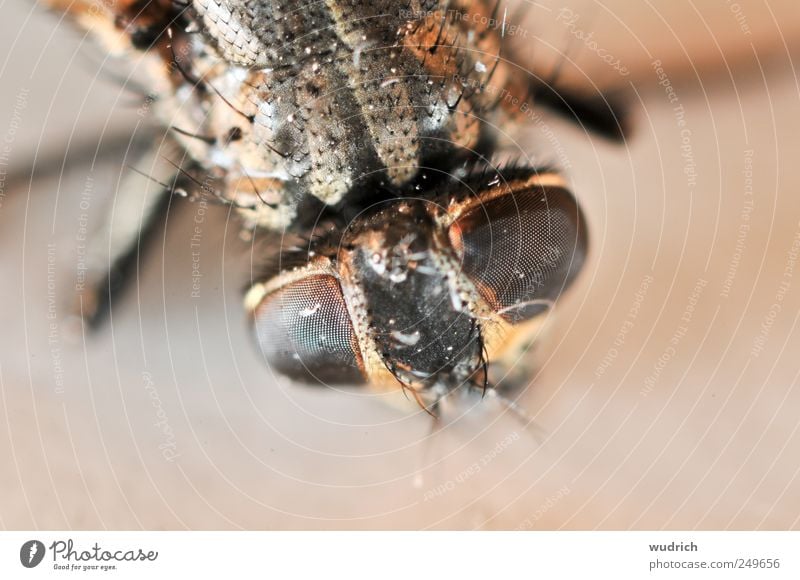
[[112, 253], [603, 114], [519, 91]]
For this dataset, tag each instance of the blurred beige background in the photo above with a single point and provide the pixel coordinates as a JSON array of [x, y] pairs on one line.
[[667, 394]]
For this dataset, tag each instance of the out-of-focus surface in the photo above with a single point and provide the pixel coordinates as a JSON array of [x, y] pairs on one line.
[[667, 390]]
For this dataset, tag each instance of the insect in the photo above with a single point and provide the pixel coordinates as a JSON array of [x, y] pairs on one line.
[[358, 137]]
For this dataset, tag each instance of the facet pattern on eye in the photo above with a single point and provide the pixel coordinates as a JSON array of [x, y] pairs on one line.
[[522, 249], [304, 331]]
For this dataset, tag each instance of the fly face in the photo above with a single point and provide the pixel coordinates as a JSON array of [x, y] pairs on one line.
[[423, 294]]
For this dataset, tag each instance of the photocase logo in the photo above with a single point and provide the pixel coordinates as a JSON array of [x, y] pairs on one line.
[[31, 553]]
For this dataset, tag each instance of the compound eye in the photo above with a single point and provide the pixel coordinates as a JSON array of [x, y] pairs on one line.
[[521, 249], [304, 331]]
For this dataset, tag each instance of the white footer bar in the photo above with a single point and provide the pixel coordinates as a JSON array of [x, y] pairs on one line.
[[401, 555]]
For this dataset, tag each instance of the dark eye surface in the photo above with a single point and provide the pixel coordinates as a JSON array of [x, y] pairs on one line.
[[522, 249], [304, 331]]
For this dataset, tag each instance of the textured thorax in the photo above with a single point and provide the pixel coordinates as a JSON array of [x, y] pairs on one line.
[[278, 102], [336, 95]]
